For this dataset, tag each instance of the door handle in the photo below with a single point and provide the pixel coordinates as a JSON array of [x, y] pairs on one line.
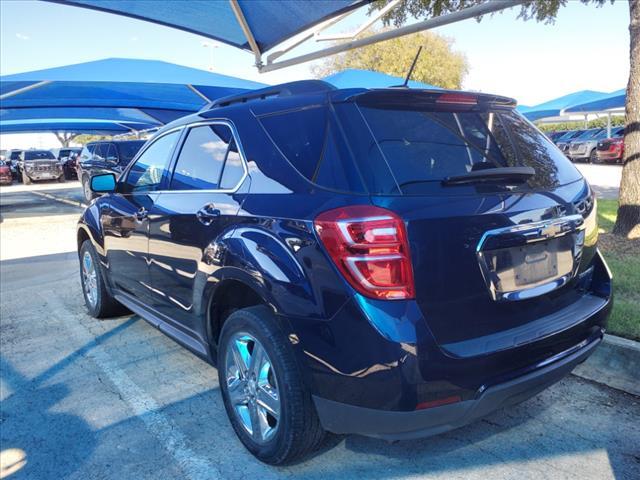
[[141, 214], [207, 214]]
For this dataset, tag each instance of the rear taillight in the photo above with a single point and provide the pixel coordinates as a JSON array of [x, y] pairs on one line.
[[369, 246]]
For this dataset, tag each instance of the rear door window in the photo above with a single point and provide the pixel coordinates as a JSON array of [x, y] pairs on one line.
[[202, 158]]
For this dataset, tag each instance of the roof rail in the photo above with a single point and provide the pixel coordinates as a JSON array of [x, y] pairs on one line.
[[282, 90]]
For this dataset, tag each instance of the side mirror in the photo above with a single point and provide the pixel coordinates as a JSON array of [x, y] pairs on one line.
[[104, 183]]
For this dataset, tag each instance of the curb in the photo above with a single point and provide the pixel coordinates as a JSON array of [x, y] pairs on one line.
[[615, 363]]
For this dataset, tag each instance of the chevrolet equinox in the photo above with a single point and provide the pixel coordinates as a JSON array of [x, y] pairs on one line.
[[393, 263]]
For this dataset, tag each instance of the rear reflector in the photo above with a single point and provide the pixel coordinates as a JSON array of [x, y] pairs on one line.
[[369, 246], [438, 402]]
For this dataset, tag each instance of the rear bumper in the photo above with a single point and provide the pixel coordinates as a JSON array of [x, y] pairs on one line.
[[394, 425]]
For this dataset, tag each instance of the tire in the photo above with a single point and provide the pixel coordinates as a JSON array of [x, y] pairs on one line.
[[25, 179], [297, 429], [86, 189], [104, 305], [593, 157]]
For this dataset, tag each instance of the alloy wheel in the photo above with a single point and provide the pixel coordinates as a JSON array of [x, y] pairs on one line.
[[87, 189], [252, 387], [89, 279]]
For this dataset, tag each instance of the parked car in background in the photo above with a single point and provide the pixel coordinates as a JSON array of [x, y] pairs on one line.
[[37, 165], [563, 142], [102, 157], [611, 150], [68, 158], [393, 263], [14, 158], [6, 178], [583, 148], [553, 136]]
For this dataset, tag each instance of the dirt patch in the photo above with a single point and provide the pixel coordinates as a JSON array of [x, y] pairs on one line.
[[617, 245]]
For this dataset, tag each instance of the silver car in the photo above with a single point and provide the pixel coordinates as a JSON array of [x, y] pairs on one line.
[[584, 146]]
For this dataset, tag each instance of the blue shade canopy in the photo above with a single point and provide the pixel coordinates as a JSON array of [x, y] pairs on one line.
[[78, 113], [610, 101], [270, 21], [353, 78], [558, 106], [95, 127], [146, 91]]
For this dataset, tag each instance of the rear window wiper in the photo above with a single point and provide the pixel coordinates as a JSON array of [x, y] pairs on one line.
[[503, 175]]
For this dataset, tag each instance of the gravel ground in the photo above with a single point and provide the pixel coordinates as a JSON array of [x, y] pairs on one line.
[[88, 399]]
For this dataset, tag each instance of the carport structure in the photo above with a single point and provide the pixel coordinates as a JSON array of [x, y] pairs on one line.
[[583, 103], [272, 28], [110, 96], [609, 104]]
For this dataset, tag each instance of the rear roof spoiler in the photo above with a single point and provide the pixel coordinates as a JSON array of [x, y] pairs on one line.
[[413, 96], [283, 90]]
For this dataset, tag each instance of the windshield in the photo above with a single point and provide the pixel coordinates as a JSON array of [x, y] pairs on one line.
[[411, 151], [128, 150], [38, 155], [589, 134]]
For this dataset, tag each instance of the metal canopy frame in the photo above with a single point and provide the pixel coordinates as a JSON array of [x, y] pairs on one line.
[[470, 12]]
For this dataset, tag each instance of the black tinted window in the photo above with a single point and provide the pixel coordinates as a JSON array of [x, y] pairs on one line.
[[311, 141], [420, 148], [128, 150], [38, 155], [149, 171], [201, 158], [110, 153]]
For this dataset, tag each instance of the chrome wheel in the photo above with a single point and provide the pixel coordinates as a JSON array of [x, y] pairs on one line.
[[89, 280], [252, 387], [86, 186]]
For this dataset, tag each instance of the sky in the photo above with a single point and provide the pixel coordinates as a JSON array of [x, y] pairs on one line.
[[586, 48]]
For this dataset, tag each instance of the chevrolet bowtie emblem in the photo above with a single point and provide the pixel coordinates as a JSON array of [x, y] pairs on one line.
[[550, 230]]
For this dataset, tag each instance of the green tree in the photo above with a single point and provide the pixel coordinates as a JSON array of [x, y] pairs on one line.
[[85, 138], [437, 65], [628, 220]]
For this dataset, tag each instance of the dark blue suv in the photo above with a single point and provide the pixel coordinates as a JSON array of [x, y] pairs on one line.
[[393, 263]]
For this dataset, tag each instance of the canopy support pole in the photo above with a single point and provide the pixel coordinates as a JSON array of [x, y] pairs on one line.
[[24, 89], [609, 125], [199, 93], [470, 12], [373, 19], [247, 32]]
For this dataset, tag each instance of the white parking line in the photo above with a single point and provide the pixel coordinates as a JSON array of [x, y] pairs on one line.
[[143, 406], [59, 199]]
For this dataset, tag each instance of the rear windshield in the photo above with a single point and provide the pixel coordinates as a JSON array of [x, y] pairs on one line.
[[411, 150], [128, 150], [38, 155]]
